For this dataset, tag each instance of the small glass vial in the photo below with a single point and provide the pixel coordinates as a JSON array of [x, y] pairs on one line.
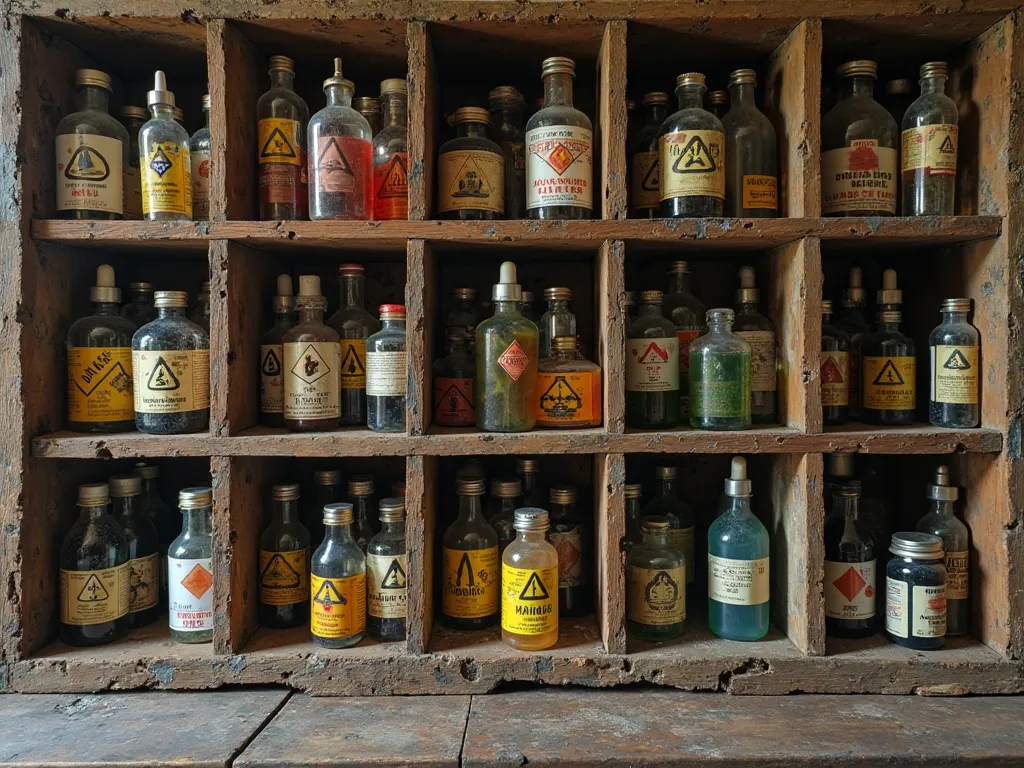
[[200, 157], [387, 563], [143, 549], [687, 314], [930, 134], [526, 307], [91, 154], [718, 103], [140, 310], [758, 331], [634, 502], [557, 321], [199, 313], [391, 154], [888, 374], [340, 165], [284, 562], [568, 388], [453, 384], [529, 474], [849, 584], [506, 498], [171, 370], [471, 171], [95, 575], [941, 521], [859, 148], [529, 585], [164, 159], [470, 576], [738, 586], [572, 536], [190, 569], [354, 326], [666, 503], [834, 373], [506, 106], [652, 367], [337, 584], [752, 176], [370, 108], [915, 592], [720, 376], [463, 315], [691, 145], [362, 492], [385, 372], [311, 357], [955, 358], [559, 150], [655, 584], [99, 348], [282, 116], [851, 321], [643, 168], [272, 354], [133, 118], [327, 489]]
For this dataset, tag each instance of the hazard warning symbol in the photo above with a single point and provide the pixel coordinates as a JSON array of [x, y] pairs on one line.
[[279, 142], [162, 378], [529, 604], [283, 577], [534, 589], [391, 188], [271, 363], [87, 164], [693, 165]]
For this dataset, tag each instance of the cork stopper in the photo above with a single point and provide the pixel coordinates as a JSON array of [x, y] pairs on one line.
[[284, 300], [563, 344], [287, 492], [562, 494], [93, 495], [504, 94], [652, 297], [327, 477], [655, 524], [465, 294], [530, 519], [840, 464], [470, 486], [899, 87], [934, 69], [392, 510], [282, 64], [337, 80], [147, 471], [679, 268], [339, 513], [551, 294], [360, 485], [855, 295], [526, 466], [134, 113], [691, 78], [122, 486], [558, 65], [159, 94], [737, 485], [394, 85], [863, 67], [633, 491], [826, 307], [747, 293], [93, 77], [170, 299], [506, 488], [889, 295], [666, 473], [941, 489], [718, 98], [956, 305], [310, 296], [105, 290], [654, 97], [195, 498], [507, 288], [471, 115], [738, 76]]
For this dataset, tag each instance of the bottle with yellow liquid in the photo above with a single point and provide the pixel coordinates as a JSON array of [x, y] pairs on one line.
[[529, 585], [469, 563]]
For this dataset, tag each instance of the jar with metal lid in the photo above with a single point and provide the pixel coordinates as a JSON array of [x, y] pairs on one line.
[[471, 171], [915, 591]]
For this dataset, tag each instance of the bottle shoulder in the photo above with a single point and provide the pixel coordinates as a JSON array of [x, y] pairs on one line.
[[748, 119], [282, 103], [554, 116], [160, 130], [479, 534], [651, 327], [94, 330], [516, 325], [552, 365], [748, 320], [931, 109], [170, 333], [338, 120], [310, 332], [95, 122], [858, 118], [952, 334], [690, 119], [653, 557]]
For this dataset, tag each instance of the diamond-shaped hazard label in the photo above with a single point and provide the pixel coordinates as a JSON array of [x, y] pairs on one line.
[[198, 581], [160, 162], [850, 583], [560, 158], [311, 366], [514, 360]]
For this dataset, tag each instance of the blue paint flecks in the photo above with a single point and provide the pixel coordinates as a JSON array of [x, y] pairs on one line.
[[874, 223], [441, 677], [238, 663], [163, 671], [702, 229], [543, 666], [1013, 440], [987, 289]]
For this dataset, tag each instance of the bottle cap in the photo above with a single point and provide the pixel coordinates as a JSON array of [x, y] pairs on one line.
[[366, 105], [737, 485], [339, 513], [525, 466], [284, 301], [558, 65], [562, 494], [282, 64], [392, 311], [134, 113], [654, 97], [527, 297], [691, 78], [360, 485], [840, 464], [398, 489], [934, 69], [147, 471], [563, 344], [633, 491], [348, 269], [309, 293], [655, 524], [471, 115], [720, 315], [125, 485], [889, 316], [898, 87], [327, 477], [505, 93], [679, 268], [141, 287], [652, 297], [159, 94], [394, 85], [507, 287], [337, 80], [106, 289], [630, 298], [530, 519], [206, 102], [179, 115], [826, 307], [889, 292], [747, 293], [630, 105], [551, 294], [738, 76], [506, 488], [289, 492], [855, 295], [93, 77], [469, 486], [666, 473], [93, 495], [466, 294], [956, 305], [195, 498], [858, 67], [914, 544], [718, 98], [392, 510], [168, 299], [941, 489]]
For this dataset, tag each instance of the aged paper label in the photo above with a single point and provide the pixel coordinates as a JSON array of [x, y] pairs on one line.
[[692, 164], [89, 173]]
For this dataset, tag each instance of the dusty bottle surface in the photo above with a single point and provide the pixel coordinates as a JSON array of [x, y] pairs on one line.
[[506, 497], [143, 549], [281, 145], [311, 359], [655, 584], [851, 321], [362, 494], [568, 388], [720, 376], [354, 326], [190, 569], [327, 489], [91, 153], [272, 371], [284, 562], [337, 589], [666, 503], [572, 536], [718, 103], [941, 521], [652, 367], [850, 590], [834, 373], [463, 315], [470, 575], [199, 313], [633, 494], [688, 314], [370, 108], [387, 563], [133, 118], [506, 107], [200, 157], [915, 592], [529, 585], [558, 320], [385, 372], [559, 150], [888, 374], [470, 171], [140, 310], [528, 471], [164, 159], [171, 370], [930, 134], [954, 353], [391, 154], [691, 151], [751, 162], [526, 306], [758, 331], [453, 384], [644, 169]]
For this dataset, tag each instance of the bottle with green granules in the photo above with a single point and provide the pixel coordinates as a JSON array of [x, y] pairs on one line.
[[719, 376]]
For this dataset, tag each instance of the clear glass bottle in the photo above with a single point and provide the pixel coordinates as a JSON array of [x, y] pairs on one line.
[[506, 497], [720, 376], [941, 521], [284, 562], [91, 152], [327, 489], [164, 159], [568, 388], [643, 162], [930, 133], [190, 569], [282, 116], [851, 321], [634, 502], [834, 373], [652, 367], [171, 370], [506, 106], [133, 118], [199, 313], [354, 326], [385, 372], [751, 153], [666, 503], [691, 144], [572, 536], [340, 165], [888, 374], [955, 357], [272, 371], [391, 154], [526, 308], [200, 156], [99, 349], [529, 585], [337, 584], [850, 590], [529, 475], [859, 148], [311, 355], [470, 171], [362, 494], [558, 320], [370, 108], [759, 332], [453, 383], [738, 586], [463, 315], [94, 573], [143, 549], [140, 310], [915, 592], [687, 314], [387, 566], [655, 584], [470, 575], [559, 150], [718, 103]]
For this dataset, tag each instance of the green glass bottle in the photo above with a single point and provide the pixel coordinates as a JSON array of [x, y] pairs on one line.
[[719, 376], [652, 367]]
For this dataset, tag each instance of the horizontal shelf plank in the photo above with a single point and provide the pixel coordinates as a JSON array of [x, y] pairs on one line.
[[919, 438]]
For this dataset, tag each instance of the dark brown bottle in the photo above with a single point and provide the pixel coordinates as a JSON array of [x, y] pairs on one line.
[[143, 549], [311, 362]]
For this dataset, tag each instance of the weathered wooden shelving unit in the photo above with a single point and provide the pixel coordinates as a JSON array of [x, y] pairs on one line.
[[450, 48]]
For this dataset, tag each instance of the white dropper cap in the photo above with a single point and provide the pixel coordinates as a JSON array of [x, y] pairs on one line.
[[284, 301], [737, 485], [747, 292], [507, 288], [159, 94], [889, 294], [106, 289]]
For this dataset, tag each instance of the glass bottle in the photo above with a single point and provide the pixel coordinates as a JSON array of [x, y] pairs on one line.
[[171, 370], [915, 592], [738, 587], [94, 573], [311, 355], [568, 388], [164, 518], [100, 363], [758, 331], [362, 495], [370, 108], [839, 474], [652, 367], [506, 106], [179, 116], [272, 354], [354, 326], [200, 311], [930, 133], [463, 315], [526, 308], [655, 584], [453, 384], [143, 549], [666, 503], [469, 563], [506, 362], [718, 103], [888, 374], [859, 148], [631, 306], [337, 584], [385, 372], [529, 475], [340, 164], [633, 494], [955, 357], [140, 310], [164, 159], [282, 116], [850, 591], [200, 157], [506, 498], [133, 118], [387, 563], [284, 562], [391, 154], [572, 536], [941, 521], [529, 585], [752, 175], [851, 321], [720, 376], [91, 152], [691, 155], [687, 314], [835, 370], [327, 489], [559, 150], [190, 569], [646, 196], [470, 171], [558, 320], [899, 95]]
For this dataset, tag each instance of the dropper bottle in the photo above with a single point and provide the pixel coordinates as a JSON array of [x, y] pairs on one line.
[[164, 160], [272, 354], [889, 298], [758, 331]]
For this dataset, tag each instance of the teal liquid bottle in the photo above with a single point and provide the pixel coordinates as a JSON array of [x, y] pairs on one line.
[[738, 587]]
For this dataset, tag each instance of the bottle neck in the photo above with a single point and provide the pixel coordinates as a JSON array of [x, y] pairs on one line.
[[393, 528], [198, 522], [680, 282], [845, 506], [558, 90], [741, 94], [506, 307], [469, 508], [94, 97], [533, 538], [954, 317], [747, 307], [206, 118], [127, 506], [282, 78], [738, 505], [563, 354], [858, 85], [943, 508], [149, 489], [649, 309], [171, 312], [634, 510], [338, 96], [458, 348], [105, 308], [668, 489], [361, 507], [392, 323], [326, 494], [284, 316], [286, 512], [352, 291], [92, 514], [311, 315], [338, 532], [396, 109], [933, 84], [656, 538], [691, 96], [144, 298], [888, 325], [826, 318], [719, 326], [162, 112], [471, 130], [558, 305], [655, 114]]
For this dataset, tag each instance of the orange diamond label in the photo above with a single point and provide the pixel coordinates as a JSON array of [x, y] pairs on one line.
[[560, 159], [198, 581], [514, 360], [850, 584]]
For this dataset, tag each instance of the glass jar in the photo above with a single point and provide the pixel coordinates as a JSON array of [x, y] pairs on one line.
[[391, 154], [133, 118], [370, 108], [758, 331], [652, 367], [646, 196], [572, 536], [284, 562], [666, 503], [354, 326], [941, 521], [529, 585], [311, 355], [200, 148], [385, 372], [453, 384], [506, 498], [557, 321], [687, 314], [930, 134], [834, 373], [851, 321], [720, 376], [387, 563], [849, 584], [190, 569], [362, 492], [506, 106], [915, 592], [272, 354], [655, 584], [338, 584], [955, 357], [470, 576], [282, 116], [751, 153], [140, 310], [143, 549], [568, 388], [888, 374], [164, 159], [471, 171]]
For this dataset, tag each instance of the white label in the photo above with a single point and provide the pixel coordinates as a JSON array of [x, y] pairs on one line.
[[930, 611], [738, 582], [201, 185], [861, 177], [386, 590], [272, 378], [849, 590], [762, 359], [89, 173], [190, 594], [385, 373], [559, 167], [897, 621]]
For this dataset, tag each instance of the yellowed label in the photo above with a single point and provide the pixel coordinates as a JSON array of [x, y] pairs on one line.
[[692, 164], [284, 577], [569, 397], [89, 173], [738, 582], [387, 593], [861, 177], [887, 383], [683, 540], [132, 193], [929, 618], [311, 382], [835, 378], [100, 384], [760, 192], [645, 181], [201, 168], [385, 374], [353, 364], [469, 582], [931, 147], [94, 597], [166, 179], [272, 378], [529, 600], [656, 596], [652, 365], [143, 582], [559, 167], [337, 606], [171, 381], [954, 374], [280, 141], [958, 568], [763, 375], [471, 179]]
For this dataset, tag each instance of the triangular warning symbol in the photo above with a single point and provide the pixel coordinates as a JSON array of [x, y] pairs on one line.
[[560, 397], [889, 376], [352, 365], [277, 145], [394, 578], [957, 362], [162, 378], [465, 568], [396, 179], [86, 164], [947, 147], [328, 595], [470, 181], [651, 182], [333, 159], [534, 589], [452, 396], [279, 574], [830, 373], [93, 591], [116, 374], [696, 158], [160, 162], [654, 354], [271, 364]]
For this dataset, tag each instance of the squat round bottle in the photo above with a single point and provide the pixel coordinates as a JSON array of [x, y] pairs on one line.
[[655, 584], [691, 145], [915, 592], [471, 171]]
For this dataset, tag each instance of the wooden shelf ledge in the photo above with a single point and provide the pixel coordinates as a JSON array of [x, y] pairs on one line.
[[919, 438]]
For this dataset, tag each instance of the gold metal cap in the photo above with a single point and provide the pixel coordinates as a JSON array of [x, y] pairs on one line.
[[195, 498], [858, 67], [550, 294], [93, 495], [691, 78], [394, 85], [351, 270], [93, 77], [826, 307], [206, 102], [738, 76], [840, 464], [652, 297], [956, 305], [366, 105], [899, 87], [630, 105], [134, 113], [716, 98], [339, 513], [170, 299], [530, 519], [666, 473], [747, 292], [505, 93], [465, 293], [125, 485], [392, 510], [526, 296], [360, 485], [941, 489], [679, 268], [889, 316], [288, 492], [337, 79], [147, 471], [563, 343], [282, 63], [471, 115], [506, 488], [470, 486], [633, 491], [526, 466], [934, 69], [327, 477], [563, 494], [558, 65], [654, 97], [655, 524], [141, 286]]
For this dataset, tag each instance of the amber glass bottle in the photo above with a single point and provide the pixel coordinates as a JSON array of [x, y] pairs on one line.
[[529, 585], [751, 165], [691, 155], [644, 170], [471, 171], [311, 359], [568, 389], [655, 584], [281, 145], [284, 563]]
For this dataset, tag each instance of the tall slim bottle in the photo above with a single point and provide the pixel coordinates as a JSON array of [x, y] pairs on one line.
[[529, 474], [387, 567], [688, 314], [572, 536], [284, 562], [354, 326], [201, 158], [327, 489], [758, 331], [751, 165], [691, 144], [272, 371], [941, 521], [337, 584], [385, 372], [930, 136], [506, 106], [470, 575], [834, 371], [652, 367], [190, 569], [141, 309], [132, 118], [143, 549], [391, 154], [311, 357], [164, 159], [851, 320], [362, 494], [643, 170], [850, 586], [281, 145]]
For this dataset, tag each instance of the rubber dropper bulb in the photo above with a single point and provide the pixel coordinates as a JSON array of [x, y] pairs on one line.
[[309, 285], [105, 276], [737, 485], [508, 273], [856, 277], [889, 280], [747, 277], [284, 285], [739, 468], [889, 293]]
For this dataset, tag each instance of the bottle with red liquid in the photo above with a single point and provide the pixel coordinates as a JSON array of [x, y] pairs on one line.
[[340, 156], [390, 154], [282, 116]]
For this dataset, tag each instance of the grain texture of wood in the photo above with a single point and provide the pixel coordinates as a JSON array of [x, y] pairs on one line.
[[421, 516], [611, 124], [611, 332], [229, 619], [424, 97], [609, 481], [421, 314]]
